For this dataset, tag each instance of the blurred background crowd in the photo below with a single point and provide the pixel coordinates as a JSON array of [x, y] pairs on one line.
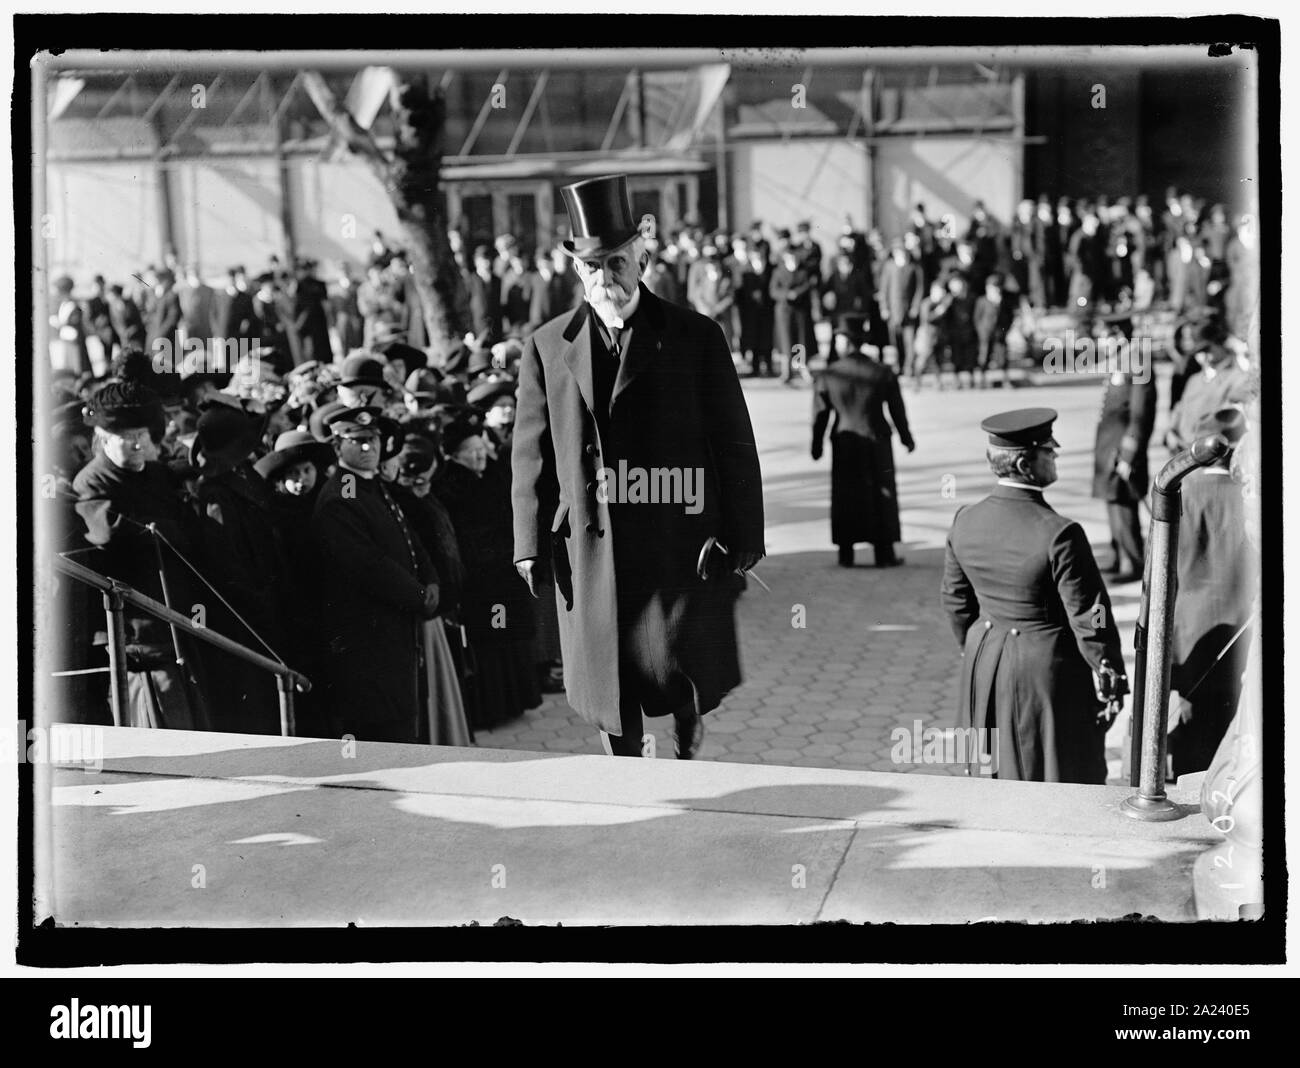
[[236, 454]]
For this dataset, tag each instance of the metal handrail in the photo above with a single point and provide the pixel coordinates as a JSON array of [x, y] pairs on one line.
[[1153, 641], [117, 595]]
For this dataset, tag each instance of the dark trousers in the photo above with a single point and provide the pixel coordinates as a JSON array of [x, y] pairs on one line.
[[630, 743], [1126, 534]]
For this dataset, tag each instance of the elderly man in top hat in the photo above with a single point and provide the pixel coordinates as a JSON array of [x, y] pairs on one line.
[[628, 382], [1041, 653]]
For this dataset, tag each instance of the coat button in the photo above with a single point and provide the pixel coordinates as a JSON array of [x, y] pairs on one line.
[[591, 450], [988, 623], [1015, 630], [591, 487]]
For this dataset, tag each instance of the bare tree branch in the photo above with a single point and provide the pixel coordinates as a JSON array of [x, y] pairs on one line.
[[355, 137]]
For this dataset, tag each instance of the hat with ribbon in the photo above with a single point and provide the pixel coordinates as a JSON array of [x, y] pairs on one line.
[[600, 216], [292, 447]]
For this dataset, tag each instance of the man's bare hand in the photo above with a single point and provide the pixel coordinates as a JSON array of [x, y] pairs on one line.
[[525, 569]]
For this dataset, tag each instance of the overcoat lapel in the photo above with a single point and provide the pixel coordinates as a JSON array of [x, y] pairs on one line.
[[577, 354], [647, 340]]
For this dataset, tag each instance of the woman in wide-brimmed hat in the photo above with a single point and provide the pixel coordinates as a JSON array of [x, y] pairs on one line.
[[297, 467], [295, 471], [443, 719]]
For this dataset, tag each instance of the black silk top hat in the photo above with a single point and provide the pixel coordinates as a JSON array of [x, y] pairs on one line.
[[600, 214], [1022, 429]]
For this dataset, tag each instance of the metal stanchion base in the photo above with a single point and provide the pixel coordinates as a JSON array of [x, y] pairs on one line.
[[1151, 809]]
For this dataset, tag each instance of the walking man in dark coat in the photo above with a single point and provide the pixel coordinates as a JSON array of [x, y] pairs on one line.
[[1128, 415], [626, 386], [1028, 607], [856, 389], [380, 586]]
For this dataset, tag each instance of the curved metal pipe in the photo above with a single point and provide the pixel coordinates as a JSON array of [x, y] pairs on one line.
[[1152, 640]]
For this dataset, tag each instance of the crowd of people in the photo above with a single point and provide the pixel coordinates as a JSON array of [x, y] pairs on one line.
[[247, 497], [248, 494]]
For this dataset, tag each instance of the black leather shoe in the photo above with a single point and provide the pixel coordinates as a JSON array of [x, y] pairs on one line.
[[846, 556], [689, 734]]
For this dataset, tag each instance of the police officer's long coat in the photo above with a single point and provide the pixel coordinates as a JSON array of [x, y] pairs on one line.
[[625, 573], [372, 601], [1028, 606]]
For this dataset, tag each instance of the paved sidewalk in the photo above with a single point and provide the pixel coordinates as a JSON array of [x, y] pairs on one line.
[[875, 652]]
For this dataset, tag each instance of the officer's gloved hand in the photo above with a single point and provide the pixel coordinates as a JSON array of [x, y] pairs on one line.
[[817, 450]]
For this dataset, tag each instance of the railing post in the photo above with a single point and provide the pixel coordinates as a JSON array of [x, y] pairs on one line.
[[1160, 588], [1150, 802], [284, 685], [119, 691]]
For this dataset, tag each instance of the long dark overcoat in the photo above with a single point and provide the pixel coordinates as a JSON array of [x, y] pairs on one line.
[[372, 607], [1028, 606], [626, 581], [864, 497], [1127, 408]]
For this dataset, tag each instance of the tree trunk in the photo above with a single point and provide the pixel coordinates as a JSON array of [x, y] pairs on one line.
[[411, 180], [413, 185]]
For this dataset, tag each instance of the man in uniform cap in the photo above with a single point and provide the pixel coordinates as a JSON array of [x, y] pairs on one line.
[[628, 379], [1027, 605], [381, 586]]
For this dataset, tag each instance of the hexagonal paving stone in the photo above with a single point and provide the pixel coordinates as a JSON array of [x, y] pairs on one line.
[[829, 738], [781, 756], [746, 746]]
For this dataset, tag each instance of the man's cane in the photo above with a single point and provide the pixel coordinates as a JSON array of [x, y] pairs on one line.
[[702, 565]]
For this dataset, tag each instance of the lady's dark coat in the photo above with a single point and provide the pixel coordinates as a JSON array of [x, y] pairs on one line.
[[864, 496]]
